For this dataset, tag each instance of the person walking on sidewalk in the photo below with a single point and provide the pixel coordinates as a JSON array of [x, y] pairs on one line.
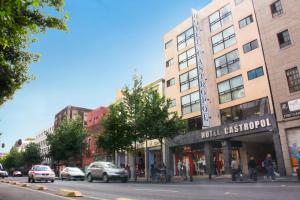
[[252, 167], [298, 158], [269, 166], [234, 169]]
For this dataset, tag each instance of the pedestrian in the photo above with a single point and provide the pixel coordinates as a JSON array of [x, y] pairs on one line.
[[298, 158], [179, 167], [127, 168], [234, 169], [269, 166], [252, 167]]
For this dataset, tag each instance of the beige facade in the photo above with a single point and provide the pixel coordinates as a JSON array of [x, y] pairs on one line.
[[279, 59]]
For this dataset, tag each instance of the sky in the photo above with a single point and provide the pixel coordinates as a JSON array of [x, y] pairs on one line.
[[107, 42]]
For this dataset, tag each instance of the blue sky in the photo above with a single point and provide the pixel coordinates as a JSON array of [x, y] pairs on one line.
[[108, 40]]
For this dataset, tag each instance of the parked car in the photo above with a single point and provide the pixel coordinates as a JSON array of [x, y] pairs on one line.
[[72, 173], [40, 173], [17, 173], [3, 173], [105, 171]]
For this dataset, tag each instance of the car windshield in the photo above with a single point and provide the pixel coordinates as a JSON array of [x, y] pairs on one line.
[[42, 168], [74, 170], [110, 165]]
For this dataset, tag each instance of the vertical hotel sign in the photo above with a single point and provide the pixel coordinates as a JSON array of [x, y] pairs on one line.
[[201, 72]]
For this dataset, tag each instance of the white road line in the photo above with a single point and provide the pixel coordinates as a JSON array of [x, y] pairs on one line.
[[154, 190]]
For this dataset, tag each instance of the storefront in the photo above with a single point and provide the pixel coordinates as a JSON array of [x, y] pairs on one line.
[[209, 151]]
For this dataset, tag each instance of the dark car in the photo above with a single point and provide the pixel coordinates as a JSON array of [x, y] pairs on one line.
[[72, 173], [105, 171]]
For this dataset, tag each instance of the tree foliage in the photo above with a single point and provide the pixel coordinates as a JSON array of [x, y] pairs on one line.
[[32, 155], [20, 20], [67, 141]]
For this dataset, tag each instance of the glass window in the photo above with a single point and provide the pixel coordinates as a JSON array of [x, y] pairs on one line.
[[244, 22], [190, 103], [171, 82], [220, 18], [250, 46], [188, 80], [238, 2], [228, 63], [223, 40], [293, 79], [186, 38], [187, 58], [170, 62], [276, 8], [255, 73], [172, 103], [284, 39], [231, 89], [168, 44], [194, 123], [245, 111]]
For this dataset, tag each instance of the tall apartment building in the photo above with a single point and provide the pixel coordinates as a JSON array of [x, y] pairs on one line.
[[216, 74], [279, 27], [41, 140], [71, 112]]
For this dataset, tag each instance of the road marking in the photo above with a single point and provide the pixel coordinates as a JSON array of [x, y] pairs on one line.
[[153, 190], [97, 198]]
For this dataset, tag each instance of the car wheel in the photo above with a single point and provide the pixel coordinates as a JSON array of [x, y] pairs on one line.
[[90, 178], [124, 180], [105, 178], [32, 180], [29, 180], [52, 181]]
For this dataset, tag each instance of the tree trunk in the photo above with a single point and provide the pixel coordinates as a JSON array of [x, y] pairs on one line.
[[134, 162]]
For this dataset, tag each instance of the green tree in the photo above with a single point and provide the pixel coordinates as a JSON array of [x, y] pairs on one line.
[[13, 160], [156, 122], [20, 20], [116, 134], [32, 155], [67, 141]]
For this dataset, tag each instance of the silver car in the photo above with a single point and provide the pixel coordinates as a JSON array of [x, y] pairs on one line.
[[105, 171], [72, 173]]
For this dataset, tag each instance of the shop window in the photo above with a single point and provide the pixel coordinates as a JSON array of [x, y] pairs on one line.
[[255, 73], [293, 79], [194, 123], [284, 39], [188, 80], [186, 38], [231, 89], [245, 111], [227, 63], [276, 8]]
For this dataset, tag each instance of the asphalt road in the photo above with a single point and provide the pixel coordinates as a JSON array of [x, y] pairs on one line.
[[134, 191]]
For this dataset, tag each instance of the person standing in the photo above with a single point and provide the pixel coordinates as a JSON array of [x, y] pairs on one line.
[[234, 169], [252, 167], [180, 168], [269, 166], [298, 158]]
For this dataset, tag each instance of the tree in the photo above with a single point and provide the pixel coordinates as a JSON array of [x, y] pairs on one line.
[[20, 20], [156, 121], [13, 160], [32, 155], [116, 134], [67, 141]]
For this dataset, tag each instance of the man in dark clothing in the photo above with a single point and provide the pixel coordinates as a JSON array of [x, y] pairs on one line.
[[268, 163], [252, 167]]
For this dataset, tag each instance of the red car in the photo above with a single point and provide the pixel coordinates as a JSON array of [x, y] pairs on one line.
[[41, 173]]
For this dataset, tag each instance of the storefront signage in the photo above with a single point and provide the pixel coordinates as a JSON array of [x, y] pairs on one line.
[[201, 71], [290, 108], [245, 127], [150, 143]]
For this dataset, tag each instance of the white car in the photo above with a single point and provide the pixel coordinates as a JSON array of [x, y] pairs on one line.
[[3, 174], [41, 173]]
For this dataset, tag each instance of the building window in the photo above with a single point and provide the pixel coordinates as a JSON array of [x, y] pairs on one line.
[[245, 111], [250, 46], [231, 89], [190, 103], [255, 73], [168, 44], [172, 103], [238, 2], [276, 8], [220, 18], [188, 80], [284, 39], [187, 58], [227, 63], [223, 39], [171, 82], [194, 123], [247, 20], [186, 38], [170, 62], [293, 79]]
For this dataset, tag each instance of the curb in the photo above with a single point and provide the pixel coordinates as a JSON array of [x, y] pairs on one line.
[[68, 193], [39, 187]]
